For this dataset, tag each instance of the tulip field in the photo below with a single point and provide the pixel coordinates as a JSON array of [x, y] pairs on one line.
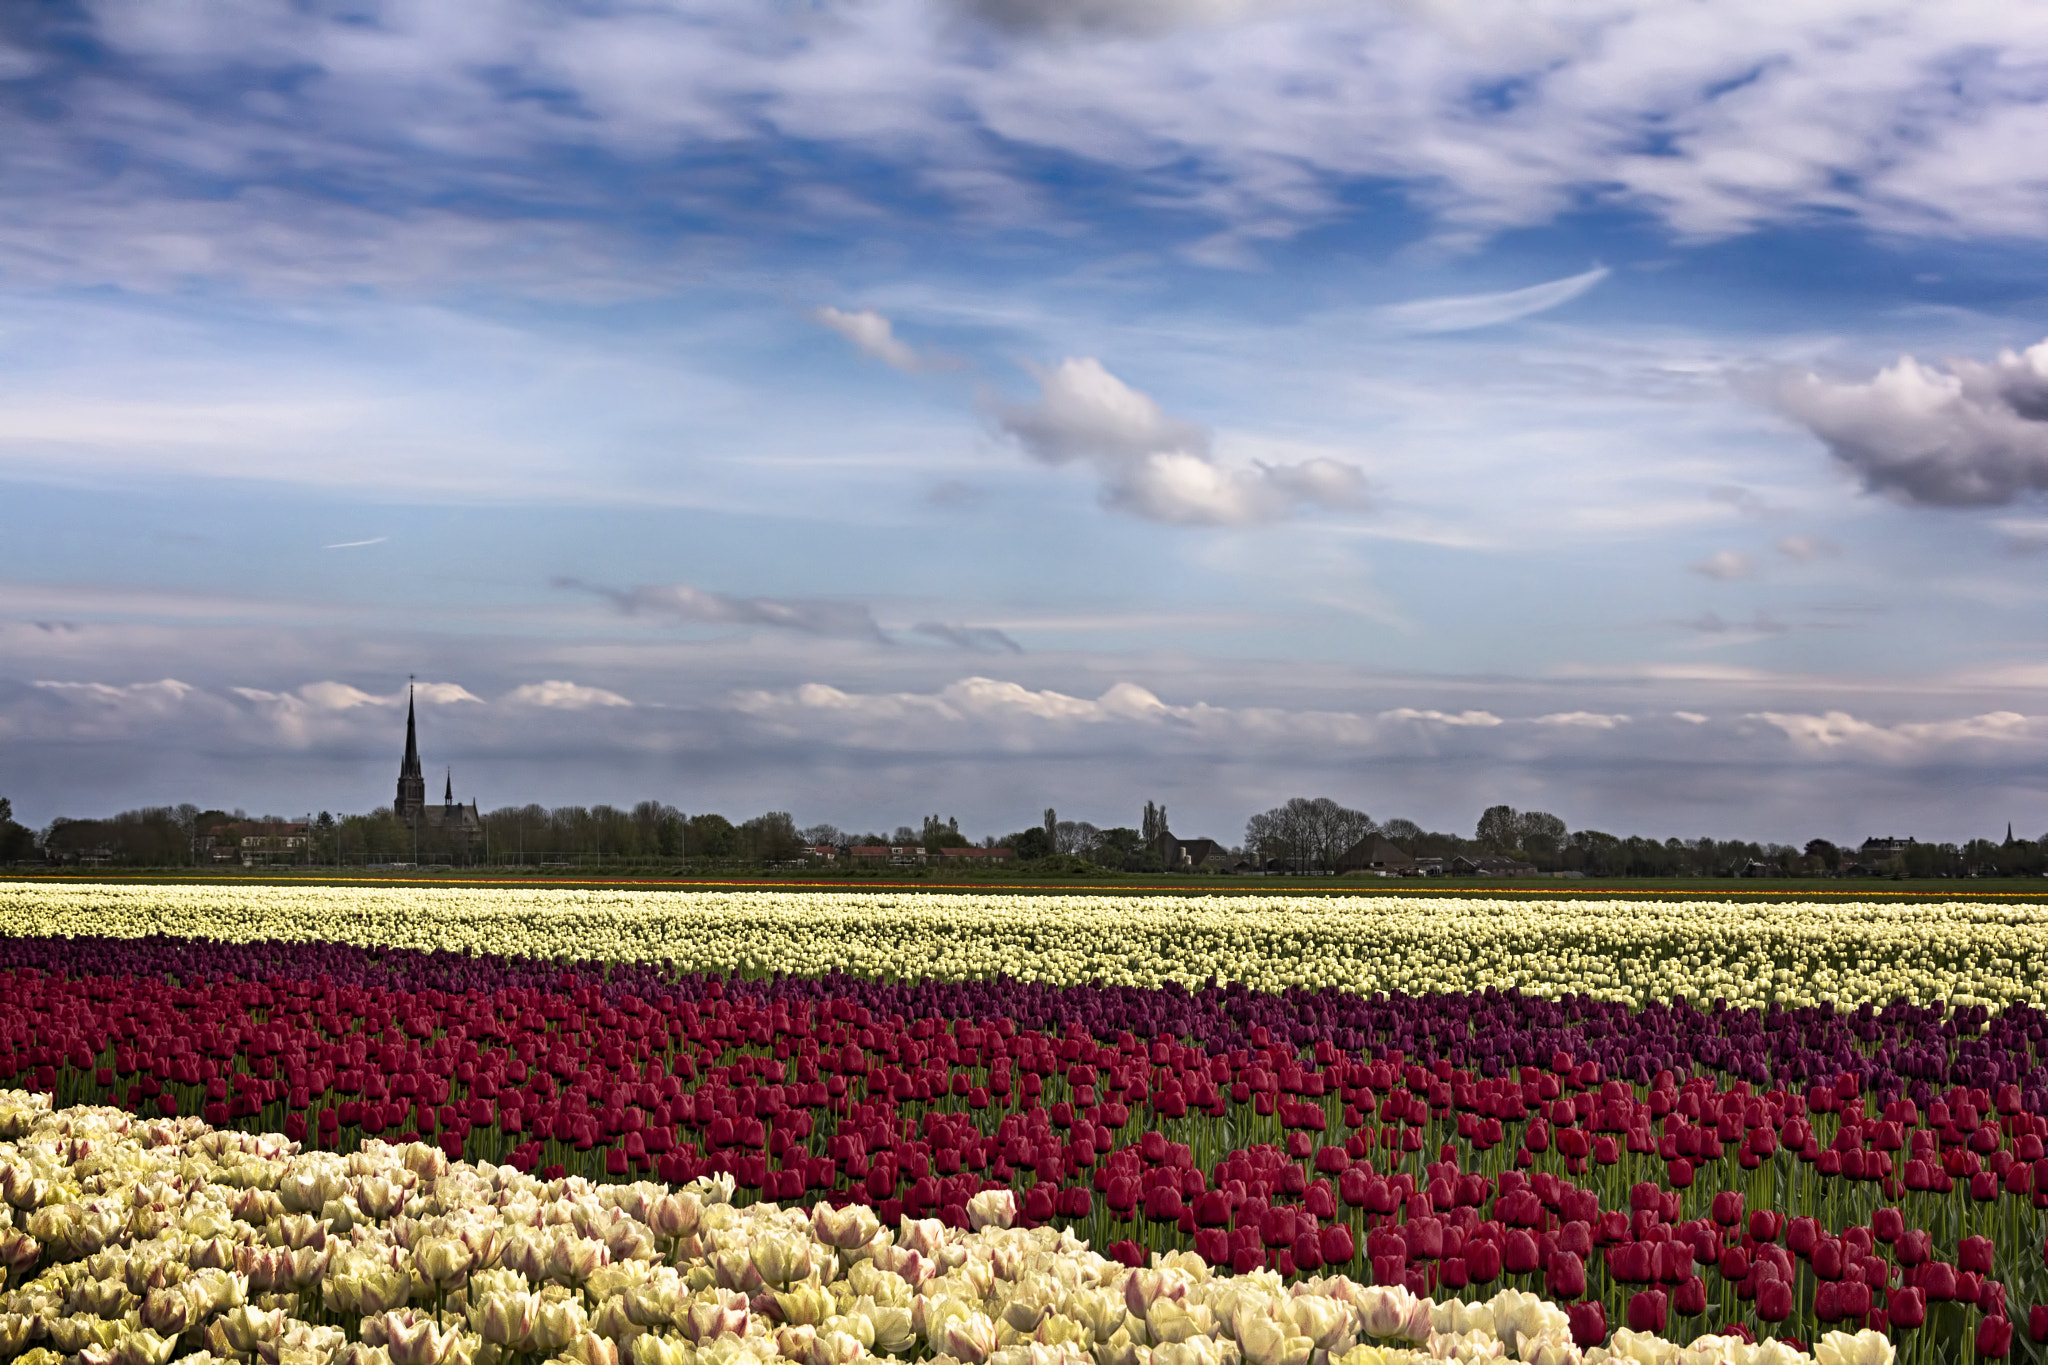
[[502, 1128]]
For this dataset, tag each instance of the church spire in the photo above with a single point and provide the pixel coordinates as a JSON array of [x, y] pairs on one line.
[[448, 792], [412, 785], [412, 738]]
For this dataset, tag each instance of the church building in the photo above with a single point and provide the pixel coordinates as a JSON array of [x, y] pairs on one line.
[[459, 823]]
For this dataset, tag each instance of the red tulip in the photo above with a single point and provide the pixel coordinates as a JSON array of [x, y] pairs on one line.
[[1994, 1338], [1647, 1311], [1589, 1323], [1774, 1300], [1907, 1307], [1974, 1253], [1337, 1247], [1566, 1276]]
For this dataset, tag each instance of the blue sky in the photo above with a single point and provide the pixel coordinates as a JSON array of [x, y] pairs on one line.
[[871, 407]]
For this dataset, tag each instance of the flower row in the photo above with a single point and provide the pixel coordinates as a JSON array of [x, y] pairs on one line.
[[130, 1242], [1630, 951]]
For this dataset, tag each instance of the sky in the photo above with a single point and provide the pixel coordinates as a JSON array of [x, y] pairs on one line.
[[877, 408]]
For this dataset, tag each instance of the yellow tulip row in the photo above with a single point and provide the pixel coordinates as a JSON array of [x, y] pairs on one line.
[[1624, 950]]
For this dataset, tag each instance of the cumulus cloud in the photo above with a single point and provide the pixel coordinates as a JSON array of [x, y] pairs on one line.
[[873, 335], [1467, 312], [338, 696], [1842, 734], [1482, 719], [694, 606], [981, 639], [1584, 720], [563, 696], [1724, 566], [1962, 434], [162, 693], [1157, 466]]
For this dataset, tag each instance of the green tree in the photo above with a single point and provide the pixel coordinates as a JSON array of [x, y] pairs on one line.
[[17, 841], [771, 838], [1030, 843], [1499, 830], [710, 836]]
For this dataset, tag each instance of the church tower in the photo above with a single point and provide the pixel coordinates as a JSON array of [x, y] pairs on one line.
[[412, 785]]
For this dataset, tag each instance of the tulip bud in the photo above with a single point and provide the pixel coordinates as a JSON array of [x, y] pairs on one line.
[[847, 1228], [794, 1341], [992, 1209], [505, 1319], [556, 1323], [836, 1348], [145, 1347]]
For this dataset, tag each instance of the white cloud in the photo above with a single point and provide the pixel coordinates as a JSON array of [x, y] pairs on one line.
[[563, 696], [1691, 717], [1470, 311], [1965, 434], [1725, 566], [1584, 720], [873, 335], [1840, 733], [1481, 719], [1490, 113], [163, 692], [1159, 467]]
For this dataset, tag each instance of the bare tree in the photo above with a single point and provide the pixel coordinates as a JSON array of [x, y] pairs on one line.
[[1403, 832], [1307, 833], [1075, 837]]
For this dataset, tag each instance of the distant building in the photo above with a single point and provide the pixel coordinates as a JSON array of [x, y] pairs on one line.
[[892, 856], [1377, 855], [1190, 855], [1490, 866], [958, 856], [459, 823]]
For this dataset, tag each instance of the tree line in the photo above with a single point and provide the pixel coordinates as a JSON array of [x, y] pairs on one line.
[[1302, 836]]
